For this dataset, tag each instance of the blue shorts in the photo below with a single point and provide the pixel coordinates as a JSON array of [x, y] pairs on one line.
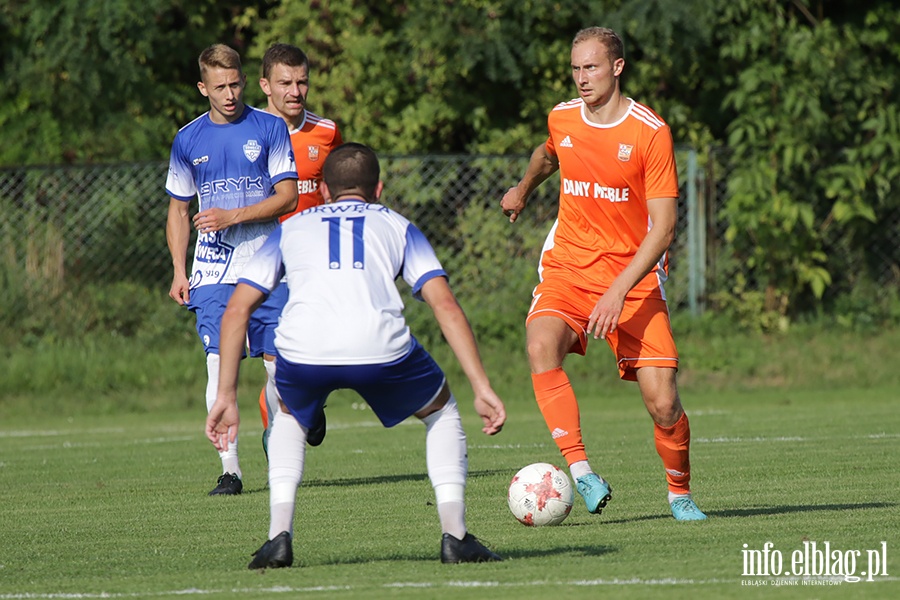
[[208, 303], [395, 390]]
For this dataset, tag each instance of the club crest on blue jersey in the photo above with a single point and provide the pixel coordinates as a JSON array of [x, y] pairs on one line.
[[252, 150]]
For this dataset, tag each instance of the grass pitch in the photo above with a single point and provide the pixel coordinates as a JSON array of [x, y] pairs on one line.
[[115, 506]]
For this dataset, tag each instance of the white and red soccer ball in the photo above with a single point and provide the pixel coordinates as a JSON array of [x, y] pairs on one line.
[[540, 494]]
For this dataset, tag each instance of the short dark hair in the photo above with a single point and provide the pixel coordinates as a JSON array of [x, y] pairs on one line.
[[352, 169], [283, 54], [609, 38]]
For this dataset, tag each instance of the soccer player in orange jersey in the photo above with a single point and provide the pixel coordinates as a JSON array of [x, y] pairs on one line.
[[604, 262], [285, 82]]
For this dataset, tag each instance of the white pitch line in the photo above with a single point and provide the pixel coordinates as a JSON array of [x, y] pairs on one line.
[[57, 432], [157, 440], [668, 581], [350, 588], [375, 424], [739, 440]]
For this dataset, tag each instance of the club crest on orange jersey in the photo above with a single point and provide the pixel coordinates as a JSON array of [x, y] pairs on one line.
[[625, 152], [313, 152], [252, 150]]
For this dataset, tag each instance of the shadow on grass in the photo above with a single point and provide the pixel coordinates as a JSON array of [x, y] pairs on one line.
[[435, 556], [375, 480], [379, 479], [781, 510], [637, 519], [760, 510]]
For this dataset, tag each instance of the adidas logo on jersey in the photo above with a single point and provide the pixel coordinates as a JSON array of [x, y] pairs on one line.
[[558, 433], [566, 143]]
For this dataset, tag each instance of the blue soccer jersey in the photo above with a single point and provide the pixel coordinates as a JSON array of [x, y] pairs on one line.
[[341, 261], [229, 166]]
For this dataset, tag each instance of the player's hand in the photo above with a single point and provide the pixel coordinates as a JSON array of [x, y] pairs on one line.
[[605, 316], [213, 219], [222, 424], [180, 290], [513, 203], [490, 408]]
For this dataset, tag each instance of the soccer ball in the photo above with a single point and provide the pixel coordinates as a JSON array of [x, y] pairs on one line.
[[540, 494]]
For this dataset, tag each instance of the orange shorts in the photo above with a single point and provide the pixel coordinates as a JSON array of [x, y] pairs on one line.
[[643, 336]]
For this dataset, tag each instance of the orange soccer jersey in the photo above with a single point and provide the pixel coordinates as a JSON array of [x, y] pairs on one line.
[[607, 173], [312, 142]]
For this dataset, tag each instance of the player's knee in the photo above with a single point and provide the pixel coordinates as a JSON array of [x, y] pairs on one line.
[[542, 354], [665, 411]]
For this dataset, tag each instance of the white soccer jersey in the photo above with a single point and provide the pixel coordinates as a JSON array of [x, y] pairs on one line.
[[341, 260], [229, 166]]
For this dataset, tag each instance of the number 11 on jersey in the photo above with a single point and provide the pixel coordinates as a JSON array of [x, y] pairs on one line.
[[334, 241]]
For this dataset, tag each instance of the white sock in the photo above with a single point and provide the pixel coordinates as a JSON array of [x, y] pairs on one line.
[[453, 518], [229, 458], [673, 496], [287, 453], [212, 379], [448, 464], [581, 468], [281, 518], [272, 395]]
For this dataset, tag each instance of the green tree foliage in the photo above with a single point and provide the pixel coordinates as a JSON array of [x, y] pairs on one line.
[[815, 139], [102, 80], [803, 95], [417, 76], [480, 76]]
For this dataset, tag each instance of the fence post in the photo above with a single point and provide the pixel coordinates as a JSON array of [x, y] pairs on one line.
[[696, 231], [702, 236]]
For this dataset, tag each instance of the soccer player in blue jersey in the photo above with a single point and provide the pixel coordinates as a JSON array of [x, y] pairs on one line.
[[343, 327], [238, 162]]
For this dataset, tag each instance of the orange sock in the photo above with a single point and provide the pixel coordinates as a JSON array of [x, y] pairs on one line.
[[263, 409], [556, 400], [673, 445]]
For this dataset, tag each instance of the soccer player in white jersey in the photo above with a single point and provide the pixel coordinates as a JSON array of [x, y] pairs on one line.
[[343, 327], [238, 162]]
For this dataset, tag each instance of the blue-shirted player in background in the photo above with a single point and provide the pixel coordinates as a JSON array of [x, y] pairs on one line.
[[238, 162], [343, 327]]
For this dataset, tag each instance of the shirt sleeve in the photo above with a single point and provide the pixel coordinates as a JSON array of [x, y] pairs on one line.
[[282, 164], [549, 147], [420, 262], [180, 180], [661, 176]]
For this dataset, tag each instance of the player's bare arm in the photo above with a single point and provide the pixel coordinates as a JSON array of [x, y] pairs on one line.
[[283, 201], [541, 166], [663, 216], [456, 329], [223, 420], [178, 234]]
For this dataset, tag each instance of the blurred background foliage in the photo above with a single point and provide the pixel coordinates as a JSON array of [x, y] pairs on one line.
[[794, 103]]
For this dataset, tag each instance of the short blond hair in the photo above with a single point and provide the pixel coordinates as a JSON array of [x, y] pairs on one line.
[[219, 56], [609, 38]]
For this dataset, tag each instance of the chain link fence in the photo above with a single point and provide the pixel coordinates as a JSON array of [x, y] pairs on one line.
[[71, 226]]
